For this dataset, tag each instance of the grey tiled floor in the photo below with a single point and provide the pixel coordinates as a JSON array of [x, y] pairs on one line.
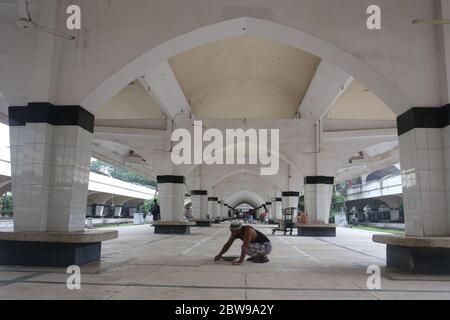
[[142, 265]]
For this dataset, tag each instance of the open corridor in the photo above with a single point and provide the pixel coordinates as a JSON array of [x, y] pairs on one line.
[[143, 265]]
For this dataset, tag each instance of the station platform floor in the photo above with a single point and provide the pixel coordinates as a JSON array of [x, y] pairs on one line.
[[143, 265]]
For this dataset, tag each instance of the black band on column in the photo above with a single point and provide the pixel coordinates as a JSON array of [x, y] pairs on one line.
[[17, 116], [319, 180], [420, 117], [44, 112], [171, 179], [213, 199], [199, 193], [278, 199], [290, 194], [268, 203]]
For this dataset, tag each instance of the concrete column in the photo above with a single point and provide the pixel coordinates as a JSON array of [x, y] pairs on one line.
[[89, 210], [219, 208], [290, 200], [224, 211], [99, 210], [50, 157], [117, 211], [277, 208], [199, 200], [213, 208], [318, 193], [268, 211], [171, 193], [424, 142], [425, 162]]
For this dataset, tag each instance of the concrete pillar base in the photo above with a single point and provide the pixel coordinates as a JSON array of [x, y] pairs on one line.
[[417, 254], [173, 227], [203, 223], [418, 260], [37, 254], [316, 230], [43, 249]]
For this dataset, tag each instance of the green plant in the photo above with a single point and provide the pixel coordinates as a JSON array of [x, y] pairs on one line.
[[121, 174], [337, 203], [6, 205], [147, 206]]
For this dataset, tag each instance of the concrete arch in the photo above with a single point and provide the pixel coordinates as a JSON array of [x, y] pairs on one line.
[[243, 202], [5, 187], [118, 200], [342, 59], [99, 198], [244, 196], [281, 157], [240, 201], [240, 171]]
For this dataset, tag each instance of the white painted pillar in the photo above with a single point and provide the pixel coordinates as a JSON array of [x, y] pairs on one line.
[[290, 200], [199, 200], [99, 210], [171, 194], [268, 210], [50, 157], [277, 203], [224, 211], [318, 193], [89, 209], [424, 142], [213, 207], [117, 211]]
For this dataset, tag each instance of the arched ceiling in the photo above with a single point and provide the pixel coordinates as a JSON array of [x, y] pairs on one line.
[[132, 102], [246, 182], [244, 77], [244, 206], [359, 103], [236, 77]]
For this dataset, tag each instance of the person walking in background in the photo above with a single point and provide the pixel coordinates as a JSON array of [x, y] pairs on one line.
[[155, 211]]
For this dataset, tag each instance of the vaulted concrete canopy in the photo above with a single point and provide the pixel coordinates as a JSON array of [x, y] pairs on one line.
[[249, 26], [359, 103], [244, 77], [248, 196], [184, 66], [132, 102]]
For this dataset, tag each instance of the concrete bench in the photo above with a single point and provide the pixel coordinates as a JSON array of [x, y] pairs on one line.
[[427, 255], [316, 230], [203, 223], [173, 227], [52, 249]]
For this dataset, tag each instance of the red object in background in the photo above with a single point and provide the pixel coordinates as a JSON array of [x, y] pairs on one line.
[[303, 218]]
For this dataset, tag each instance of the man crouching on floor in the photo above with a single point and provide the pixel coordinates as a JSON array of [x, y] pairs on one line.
[[255, 244]]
